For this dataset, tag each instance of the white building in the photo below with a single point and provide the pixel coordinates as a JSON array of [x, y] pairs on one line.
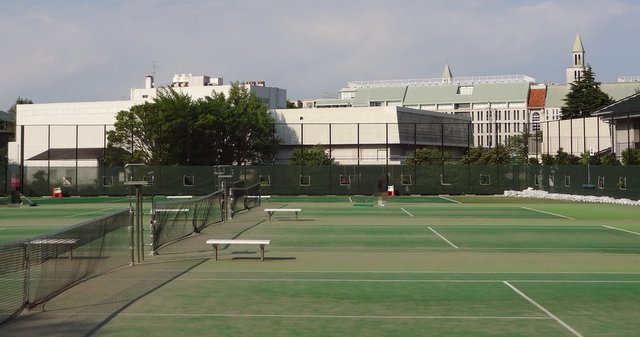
[[370, 135], [499, 106], [59, 134]]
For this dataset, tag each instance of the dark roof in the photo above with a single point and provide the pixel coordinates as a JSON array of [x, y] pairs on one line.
[[628, 106], [70, 154]]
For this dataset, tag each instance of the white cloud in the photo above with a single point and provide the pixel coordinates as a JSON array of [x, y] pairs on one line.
[[305, 47]]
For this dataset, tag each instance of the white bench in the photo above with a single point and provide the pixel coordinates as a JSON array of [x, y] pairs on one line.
[[261, 197], [274, 210], [70, 243], [217, 242]]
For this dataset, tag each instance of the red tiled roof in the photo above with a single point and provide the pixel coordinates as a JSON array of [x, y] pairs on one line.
[[537, 98]]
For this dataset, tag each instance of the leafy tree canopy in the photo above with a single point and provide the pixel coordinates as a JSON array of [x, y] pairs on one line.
[[176, 130], [584, 97], [315, 156], [425, 156]]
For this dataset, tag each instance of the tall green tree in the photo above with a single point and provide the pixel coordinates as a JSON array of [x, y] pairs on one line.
[[175, 130], [585, 96]]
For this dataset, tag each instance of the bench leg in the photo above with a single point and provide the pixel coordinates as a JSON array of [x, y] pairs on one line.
[[71, 253], [215, 248], [262, 251], [270, 214], [296, 216]]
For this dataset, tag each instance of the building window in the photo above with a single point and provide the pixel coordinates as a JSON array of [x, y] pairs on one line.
[[622, 183], [188, 180], [345, 180], [375, 103], [305, 180], [107, 181], [465, 90], [535, 121]]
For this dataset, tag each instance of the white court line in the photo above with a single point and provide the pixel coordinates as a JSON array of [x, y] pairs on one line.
[[573, 331], [342, 316], [86, 213], [554, 214], [447, 199], [443, 238], [310, 280], [402, 208], [620, 229]]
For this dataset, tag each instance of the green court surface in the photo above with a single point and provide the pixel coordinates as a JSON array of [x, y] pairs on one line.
[[455, 266]]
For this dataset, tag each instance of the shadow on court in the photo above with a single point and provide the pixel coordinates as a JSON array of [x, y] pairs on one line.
[[85, 308]]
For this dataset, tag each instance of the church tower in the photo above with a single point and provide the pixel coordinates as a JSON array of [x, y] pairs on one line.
[[578, 65]]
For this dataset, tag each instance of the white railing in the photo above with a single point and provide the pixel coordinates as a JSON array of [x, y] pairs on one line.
[[440, 81], [626, 79]]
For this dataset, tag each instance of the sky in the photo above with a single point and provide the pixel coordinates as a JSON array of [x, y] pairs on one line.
[[76, 51]]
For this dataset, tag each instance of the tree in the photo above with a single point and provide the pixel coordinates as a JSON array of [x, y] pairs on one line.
[[13, 109], [424, 156], [315, 156], [584, 97], [564, 158], [175, 130], [516, 147], [631, 156]]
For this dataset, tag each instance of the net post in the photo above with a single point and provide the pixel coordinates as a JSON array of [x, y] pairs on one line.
[[130, 229]]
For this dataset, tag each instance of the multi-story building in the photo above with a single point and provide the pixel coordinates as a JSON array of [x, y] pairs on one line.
[[499, 106], [74, 134]]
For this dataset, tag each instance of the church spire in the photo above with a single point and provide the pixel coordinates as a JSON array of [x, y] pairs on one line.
[[577, 45], [576, 70], [446, 74]]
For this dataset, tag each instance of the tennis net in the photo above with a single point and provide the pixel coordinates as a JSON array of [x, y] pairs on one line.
[[174, 220], [243, 198], [34, 270]]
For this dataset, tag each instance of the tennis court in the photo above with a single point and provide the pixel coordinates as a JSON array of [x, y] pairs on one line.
[[418, 266]]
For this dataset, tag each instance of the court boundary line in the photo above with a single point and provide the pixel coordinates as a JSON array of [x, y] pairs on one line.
[[549, 213], [340, 316], [333, 280], [451, 200], [402, 208], [442, 237], [561, 322], [620, 229]]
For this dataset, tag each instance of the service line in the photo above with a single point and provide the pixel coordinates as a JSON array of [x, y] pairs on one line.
[[554, 214], [443, 238], [567, 326], [402, 208], [620, 229]]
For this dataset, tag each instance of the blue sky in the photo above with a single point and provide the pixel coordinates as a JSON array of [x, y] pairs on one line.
[[70, 51]]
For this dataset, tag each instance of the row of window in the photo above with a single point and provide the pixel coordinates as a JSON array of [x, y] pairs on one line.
[[345, 180], [499, 114], [538, 181]]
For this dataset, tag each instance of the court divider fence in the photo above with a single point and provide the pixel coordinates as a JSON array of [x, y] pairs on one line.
[[620, 181], [38, 268]]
